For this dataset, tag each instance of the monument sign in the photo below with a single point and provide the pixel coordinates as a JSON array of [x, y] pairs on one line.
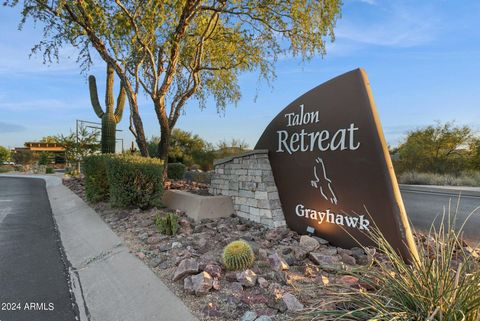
[[332, 167]]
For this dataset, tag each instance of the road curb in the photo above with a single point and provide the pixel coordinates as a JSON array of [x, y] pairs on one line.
[[109, 283], [446, 190]]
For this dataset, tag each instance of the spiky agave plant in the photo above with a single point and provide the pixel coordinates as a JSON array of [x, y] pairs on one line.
[[110, 118], [238, 255], [443, 284]]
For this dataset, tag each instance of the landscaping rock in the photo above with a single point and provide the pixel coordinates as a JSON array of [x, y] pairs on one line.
[[264, 318], [176, 245], [292, 303], [320, 240], [262, 282], [231, 276], [186, 267], [247, 278], [198, 284], [214, 270], [300, 253], [347, 280], [249, 316], [309, 243], [262, 254], [153, 240], [325, 262], [347, 259], [277, 262]]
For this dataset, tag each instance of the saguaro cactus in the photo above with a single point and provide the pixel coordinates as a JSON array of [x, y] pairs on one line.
[[110, 118]]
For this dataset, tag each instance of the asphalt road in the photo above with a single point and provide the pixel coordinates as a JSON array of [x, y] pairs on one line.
[[33, 278], [424, 206]]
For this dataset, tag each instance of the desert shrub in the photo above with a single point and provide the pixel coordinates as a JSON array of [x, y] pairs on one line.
[[469, 178], [96, 182], [238, 255], [176, 170], [168, 224], [134, 181], [43, 158], [49, 170], [4, 169], [441, 285]]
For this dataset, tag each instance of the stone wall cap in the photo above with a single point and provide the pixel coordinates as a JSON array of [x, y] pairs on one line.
[[230, 158]]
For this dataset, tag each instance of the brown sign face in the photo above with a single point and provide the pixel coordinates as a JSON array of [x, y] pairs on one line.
[[332, 167]]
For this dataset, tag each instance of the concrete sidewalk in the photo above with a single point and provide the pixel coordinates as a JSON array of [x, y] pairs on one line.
[[109, 283]]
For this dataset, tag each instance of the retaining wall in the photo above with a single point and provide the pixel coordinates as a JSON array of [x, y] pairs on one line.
[[248, 179]]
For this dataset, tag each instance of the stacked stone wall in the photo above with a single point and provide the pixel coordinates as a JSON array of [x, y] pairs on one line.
[[248, 179]]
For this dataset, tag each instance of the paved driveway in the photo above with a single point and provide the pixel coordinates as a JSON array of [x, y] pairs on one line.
[[33, 278]]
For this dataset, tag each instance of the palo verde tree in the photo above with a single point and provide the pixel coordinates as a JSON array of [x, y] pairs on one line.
[[178, 50], [110, 117]]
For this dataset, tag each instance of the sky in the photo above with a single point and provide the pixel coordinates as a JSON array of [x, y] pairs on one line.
[[422, 59]]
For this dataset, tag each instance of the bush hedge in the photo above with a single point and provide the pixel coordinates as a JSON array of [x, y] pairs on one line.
[[176, 170], [96, 183], [134, 181]]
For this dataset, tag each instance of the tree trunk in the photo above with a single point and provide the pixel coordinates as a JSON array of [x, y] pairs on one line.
[[140, 134], [163, 148]]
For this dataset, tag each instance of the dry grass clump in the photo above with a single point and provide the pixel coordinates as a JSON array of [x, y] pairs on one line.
[[442, 285], [470, 178]]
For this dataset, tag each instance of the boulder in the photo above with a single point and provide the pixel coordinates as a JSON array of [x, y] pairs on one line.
[[185, 268], [347, 259], [325, 262]]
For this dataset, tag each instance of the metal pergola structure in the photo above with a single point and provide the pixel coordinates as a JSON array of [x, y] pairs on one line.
[[96, 126]]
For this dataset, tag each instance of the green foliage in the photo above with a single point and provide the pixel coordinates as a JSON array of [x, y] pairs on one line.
[[179, 50], [4, 154], [23, 157], [4, 169], [49, 170], [168, 224], [238, 255], [176, 170], [441, 285], [43, 159], [230, 148], [78, 147], [49, 139], [134, 181], [96, 180], [443, 148], [110, 118]]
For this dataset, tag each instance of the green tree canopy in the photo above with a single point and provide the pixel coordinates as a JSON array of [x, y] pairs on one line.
[[4, 154], [178, 50], [443, 148]]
